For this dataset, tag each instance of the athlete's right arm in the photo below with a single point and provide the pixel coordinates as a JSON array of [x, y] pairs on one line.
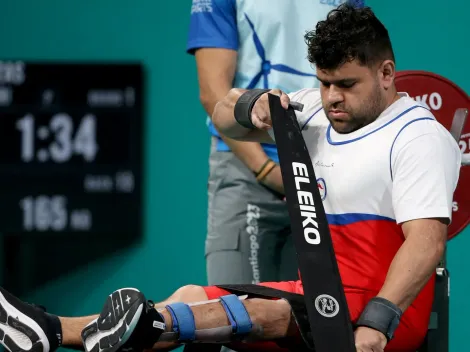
[[224, 116]]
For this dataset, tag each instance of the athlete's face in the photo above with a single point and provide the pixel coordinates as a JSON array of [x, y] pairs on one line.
[[354, 95]]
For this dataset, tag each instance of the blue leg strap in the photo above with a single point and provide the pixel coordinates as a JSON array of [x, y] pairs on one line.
[[183, 321], [237, 314], [184, 326]]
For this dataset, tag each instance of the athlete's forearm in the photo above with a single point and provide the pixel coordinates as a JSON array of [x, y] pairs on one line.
[[250, 153], [411, 268], [223, 116]]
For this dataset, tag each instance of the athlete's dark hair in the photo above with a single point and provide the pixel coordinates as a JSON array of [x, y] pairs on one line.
[[348, 34]]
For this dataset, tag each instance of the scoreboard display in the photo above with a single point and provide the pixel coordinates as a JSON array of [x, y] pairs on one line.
[[71, 146]]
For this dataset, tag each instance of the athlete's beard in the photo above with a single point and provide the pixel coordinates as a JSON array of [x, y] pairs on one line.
[[370, 109]]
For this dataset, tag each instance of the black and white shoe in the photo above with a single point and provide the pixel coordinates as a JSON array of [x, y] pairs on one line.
[[128, 322], [26, 327]]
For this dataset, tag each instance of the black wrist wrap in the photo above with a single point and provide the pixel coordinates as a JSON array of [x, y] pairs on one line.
[[244, 105], [382, 315]]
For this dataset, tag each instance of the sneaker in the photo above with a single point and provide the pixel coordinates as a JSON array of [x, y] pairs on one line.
[[127, 322], [26, 327]]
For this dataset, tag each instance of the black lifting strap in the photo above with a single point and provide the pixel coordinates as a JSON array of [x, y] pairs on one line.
[[327, 309]]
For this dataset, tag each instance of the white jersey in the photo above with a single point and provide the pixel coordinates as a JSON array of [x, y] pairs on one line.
[[402, 166]]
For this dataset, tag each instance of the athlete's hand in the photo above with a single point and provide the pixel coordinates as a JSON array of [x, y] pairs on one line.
[[369, 340], [261, 115]]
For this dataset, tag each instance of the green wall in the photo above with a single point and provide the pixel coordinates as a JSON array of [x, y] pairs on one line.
[[153, 32], [427, 35]]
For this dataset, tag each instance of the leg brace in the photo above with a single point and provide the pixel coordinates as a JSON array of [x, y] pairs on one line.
[[184, 327]]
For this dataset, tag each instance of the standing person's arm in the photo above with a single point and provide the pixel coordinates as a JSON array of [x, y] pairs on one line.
[[213, 38]]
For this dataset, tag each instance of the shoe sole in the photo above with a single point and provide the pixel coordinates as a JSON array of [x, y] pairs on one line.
[[116, 323], [18, 332]]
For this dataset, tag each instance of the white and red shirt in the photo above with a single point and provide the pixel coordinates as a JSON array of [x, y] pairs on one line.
[[402, 166]]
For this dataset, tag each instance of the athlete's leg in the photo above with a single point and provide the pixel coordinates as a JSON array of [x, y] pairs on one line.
[[128, 321], [272, 319], [245, 223]]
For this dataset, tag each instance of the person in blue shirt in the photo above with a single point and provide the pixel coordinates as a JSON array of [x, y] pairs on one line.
[[250, 44]]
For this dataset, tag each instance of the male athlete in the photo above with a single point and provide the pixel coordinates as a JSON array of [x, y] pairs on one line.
[[389, 171]]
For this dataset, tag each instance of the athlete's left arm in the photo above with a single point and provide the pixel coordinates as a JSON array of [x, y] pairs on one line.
[[415, 262], [425, 170]]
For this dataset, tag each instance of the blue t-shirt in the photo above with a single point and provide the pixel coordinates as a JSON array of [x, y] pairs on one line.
[[269, 38]]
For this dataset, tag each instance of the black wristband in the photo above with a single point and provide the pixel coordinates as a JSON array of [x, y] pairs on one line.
[[382, 315], [244, 105]]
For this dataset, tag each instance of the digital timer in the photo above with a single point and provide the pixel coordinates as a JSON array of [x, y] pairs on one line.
[[67, 139], [71, 142]]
